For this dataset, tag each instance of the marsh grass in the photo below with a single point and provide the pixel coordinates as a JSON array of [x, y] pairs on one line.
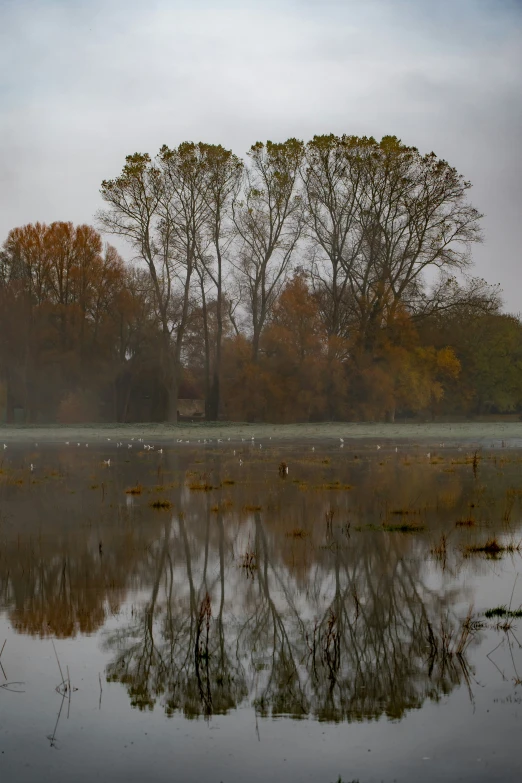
[[404, 511], [502, 611], [248, 562], [465, 522], [493, 548], [386, 527], [440, 550], [332, 485], [403, 527], [161, 504], [137, 490], [200, 486], [297, 532]]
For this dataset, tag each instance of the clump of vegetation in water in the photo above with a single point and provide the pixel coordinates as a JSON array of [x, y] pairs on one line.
[[404, 527], [137, 490], [297, 532], [492, 548], [502, 611], [161, 504]]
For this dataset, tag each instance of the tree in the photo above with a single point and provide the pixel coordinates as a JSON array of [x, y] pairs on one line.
[[60, 287], [269, 219], [223, 172], [381, 214]]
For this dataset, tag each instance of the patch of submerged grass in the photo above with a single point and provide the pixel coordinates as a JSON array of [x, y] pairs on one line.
[[502, 611], [404, 527], [161, 504], [228, 482], [200, 486], [252, 508], [333, 485], [401, 527], [297, 532], [225, 505], [404, 511], [137, 490], [465, 522], [492, 548]]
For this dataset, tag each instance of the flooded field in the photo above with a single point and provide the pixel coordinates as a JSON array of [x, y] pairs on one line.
[[257, 610]]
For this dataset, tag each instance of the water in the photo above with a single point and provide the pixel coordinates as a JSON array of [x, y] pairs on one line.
[[329, 623]]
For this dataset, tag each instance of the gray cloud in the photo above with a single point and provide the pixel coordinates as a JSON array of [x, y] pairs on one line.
[[84, 84]]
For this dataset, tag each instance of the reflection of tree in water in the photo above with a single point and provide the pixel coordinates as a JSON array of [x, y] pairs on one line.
[[178, 649], [66, 563], [366, 638], [339, 628]]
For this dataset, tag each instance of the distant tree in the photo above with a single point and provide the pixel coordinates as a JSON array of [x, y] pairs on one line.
[[60, 287]]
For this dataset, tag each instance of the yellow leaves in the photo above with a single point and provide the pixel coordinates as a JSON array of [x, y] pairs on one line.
[[447, 363]]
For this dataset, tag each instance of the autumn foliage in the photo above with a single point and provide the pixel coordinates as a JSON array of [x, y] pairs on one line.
[[327, 280]]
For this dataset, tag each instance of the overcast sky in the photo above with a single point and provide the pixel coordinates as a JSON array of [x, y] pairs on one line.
[[85, 82]]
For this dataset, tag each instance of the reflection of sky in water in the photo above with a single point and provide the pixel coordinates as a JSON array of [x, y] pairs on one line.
[[340, 621]]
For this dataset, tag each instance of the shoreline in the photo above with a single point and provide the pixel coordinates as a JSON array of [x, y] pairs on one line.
[[482, 433]]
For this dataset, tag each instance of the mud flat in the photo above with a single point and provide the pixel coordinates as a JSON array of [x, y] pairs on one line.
[[484, 434]]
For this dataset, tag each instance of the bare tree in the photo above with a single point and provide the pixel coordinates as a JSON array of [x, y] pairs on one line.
[[159, 208], [414, 216], [379, 215], [223, 172], [268, 217], [332, 178]]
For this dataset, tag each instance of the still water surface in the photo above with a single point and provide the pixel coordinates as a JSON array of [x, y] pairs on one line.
[[193, 615]]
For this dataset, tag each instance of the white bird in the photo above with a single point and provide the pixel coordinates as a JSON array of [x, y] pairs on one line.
[[108, 438], [66, 442], [342, 440], [160, 451], [240, 461], [5, 445], [313, 448], [86, 445], [107, 462], [129, 446], [78, 444], [428, 455], [378, 447], [32, 467], [260, 446]]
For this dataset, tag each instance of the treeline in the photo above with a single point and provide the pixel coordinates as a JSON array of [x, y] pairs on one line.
[[318, 281]]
